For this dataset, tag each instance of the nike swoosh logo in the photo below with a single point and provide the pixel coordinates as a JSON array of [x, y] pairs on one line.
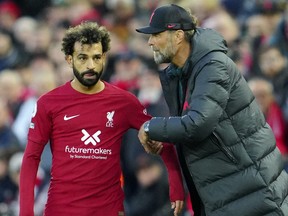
[[66, 118], [171, 25]]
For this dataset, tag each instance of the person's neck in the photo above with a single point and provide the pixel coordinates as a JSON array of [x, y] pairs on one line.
[[88, 90], [182, 55]]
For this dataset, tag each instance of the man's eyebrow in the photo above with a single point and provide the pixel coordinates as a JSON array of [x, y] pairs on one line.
[[94, 55], [82, 54]]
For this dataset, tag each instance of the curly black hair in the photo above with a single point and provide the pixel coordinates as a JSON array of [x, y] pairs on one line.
[[85, 33]]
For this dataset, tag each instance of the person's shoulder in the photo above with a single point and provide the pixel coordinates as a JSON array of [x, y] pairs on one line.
[[115, 90], [56, 91]]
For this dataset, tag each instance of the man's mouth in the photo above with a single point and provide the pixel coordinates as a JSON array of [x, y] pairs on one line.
[[89, 75]]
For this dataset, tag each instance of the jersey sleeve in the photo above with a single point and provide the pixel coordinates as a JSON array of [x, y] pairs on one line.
[[41, 123], [176, 187], [137, 113], [37, 138], [28, 174]]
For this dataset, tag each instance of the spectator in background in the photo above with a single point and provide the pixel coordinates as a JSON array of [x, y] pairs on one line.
[[63, 73], [24, 28], [203, 10], [239, 51], [33, 8], [127, 69], [11, 53], [274, 66], [151, 197], [13, 89], [40, 41], [8, 140], [150, 93], [256, 35], [261, 25], [9, 13], [14, 171], [279, 37], [264, 94], [43, 79], [257, 30], [14, 166], [9, 144], [227, 26], [8, 189]]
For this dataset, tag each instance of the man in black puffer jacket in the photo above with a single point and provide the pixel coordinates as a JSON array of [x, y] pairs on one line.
[[226, 149]]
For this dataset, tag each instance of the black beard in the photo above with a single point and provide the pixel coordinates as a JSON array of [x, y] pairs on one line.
[[87, 82]]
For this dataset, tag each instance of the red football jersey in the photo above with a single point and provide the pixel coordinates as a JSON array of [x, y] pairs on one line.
[[85, 134]]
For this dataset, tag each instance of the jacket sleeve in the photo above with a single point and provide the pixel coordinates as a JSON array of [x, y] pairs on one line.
[[176, 187], [28, 174], [206, 102]]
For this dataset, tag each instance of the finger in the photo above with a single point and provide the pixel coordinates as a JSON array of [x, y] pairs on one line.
[[146, 148], [159, 150], [178, 207], [172, 205], [156, 149], [155, 144]]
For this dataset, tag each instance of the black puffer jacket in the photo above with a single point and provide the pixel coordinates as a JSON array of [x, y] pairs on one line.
[[226, 149]]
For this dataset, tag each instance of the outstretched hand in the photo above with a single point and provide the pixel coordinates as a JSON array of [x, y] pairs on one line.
[[150, 146]]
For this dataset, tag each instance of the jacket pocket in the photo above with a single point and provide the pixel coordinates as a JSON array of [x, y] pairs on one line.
[[218, 141]]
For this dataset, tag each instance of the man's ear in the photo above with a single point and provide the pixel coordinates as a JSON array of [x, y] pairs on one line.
[[104, 59], [180, 35], [69, 60]]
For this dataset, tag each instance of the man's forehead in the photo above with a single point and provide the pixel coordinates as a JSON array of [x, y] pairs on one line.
[[83, 47]]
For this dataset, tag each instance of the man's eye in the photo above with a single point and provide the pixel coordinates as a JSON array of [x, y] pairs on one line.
[[82, 58], [97, 57]]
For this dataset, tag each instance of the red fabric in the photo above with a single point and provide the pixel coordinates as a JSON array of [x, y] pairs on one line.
[[189, 206], [275, 119], [175, 177]]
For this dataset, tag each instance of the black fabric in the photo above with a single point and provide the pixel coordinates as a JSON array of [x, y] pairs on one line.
[[168, 17]]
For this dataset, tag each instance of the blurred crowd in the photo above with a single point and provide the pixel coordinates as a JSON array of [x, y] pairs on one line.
[[31, 63]]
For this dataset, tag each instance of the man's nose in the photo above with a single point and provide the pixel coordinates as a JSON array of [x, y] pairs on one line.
[[91, 64], [150, 41]]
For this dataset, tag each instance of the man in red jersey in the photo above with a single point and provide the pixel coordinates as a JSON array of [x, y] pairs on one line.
[[84, 121]]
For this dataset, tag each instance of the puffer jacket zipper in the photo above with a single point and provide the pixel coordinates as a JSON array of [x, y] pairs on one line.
[[217, 140]]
